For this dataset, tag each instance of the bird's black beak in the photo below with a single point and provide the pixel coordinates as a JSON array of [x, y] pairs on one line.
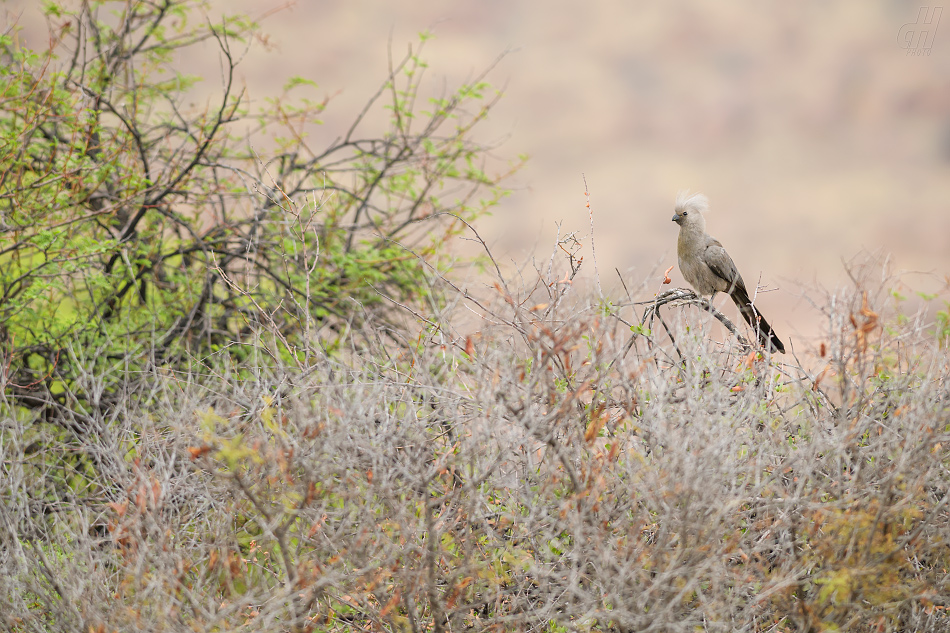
[[676, 217]]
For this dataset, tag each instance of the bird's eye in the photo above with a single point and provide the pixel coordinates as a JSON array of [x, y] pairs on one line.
[[684, 213]]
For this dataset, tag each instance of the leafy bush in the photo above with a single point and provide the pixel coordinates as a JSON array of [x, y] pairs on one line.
[[135, 230]]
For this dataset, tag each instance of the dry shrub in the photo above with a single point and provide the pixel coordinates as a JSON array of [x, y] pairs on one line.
[[553, 470]]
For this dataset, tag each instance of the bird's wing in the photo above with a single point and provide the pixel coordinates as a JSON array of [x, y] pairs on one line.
[[719, 262]]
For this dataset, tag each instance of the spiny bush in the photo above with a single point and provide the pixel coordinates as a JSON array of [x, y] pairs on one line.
[[553, 470]]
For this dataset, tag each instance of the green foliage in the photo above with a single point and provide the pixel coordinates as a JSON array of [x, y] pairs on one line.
[[943, 325], [149, 233]]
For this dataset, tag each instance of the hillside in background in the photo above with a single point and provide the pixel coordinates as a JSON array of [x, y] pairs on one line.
[[815, 135]]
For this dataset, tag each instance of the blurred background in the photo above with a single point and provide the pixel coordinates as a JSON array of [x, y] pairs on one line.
[[819, 130]]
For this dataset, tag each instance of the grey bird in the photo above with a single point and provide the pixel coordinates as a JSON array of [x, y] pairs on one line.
[[707, 267]]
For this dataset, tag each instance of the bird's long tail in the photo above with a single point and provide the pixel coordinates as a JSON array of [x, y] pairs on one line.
[[753, 317]]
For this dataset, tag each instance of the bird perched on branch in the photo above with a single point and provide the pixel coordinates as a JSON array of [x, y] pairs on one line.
[[707, 267]]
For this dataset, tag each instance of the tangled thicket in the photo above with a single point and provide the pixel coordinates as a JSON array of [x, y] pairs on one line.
[[534, 476], [282, 416]]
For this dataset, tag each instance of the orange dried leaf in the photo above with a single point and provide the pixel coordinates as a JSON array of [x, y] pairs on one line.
[[198, 451], [827, 371], [871, 317], [390, 605], [614, 451], [748, 360], [597, 422]]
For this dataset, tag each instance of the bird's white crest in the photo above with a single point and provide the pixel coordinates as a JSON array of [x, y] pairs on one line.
[[691, 202]]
